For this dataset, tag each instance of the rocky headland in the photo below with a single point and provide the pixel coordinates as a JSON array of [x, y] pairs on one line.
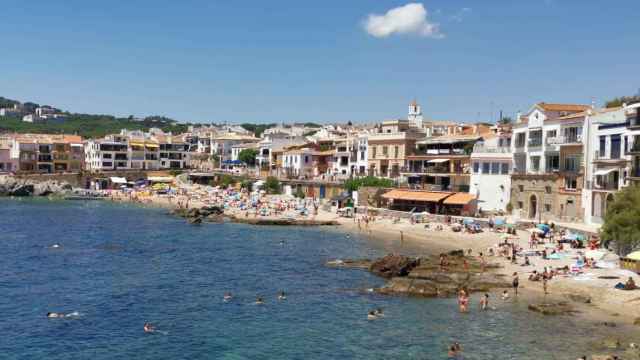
[[13, 186]]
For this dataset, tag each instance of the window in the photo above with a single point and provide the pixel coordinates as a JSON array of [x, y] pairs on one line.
[[553, 162], [486, 167], [306, 159], [520, 204], [547, 189], [373, 156], [504, 168], [107, 164], [395, 151], [106, 156], [495, 168], [572, 163], [551, 134], [603, 143], [535, 163], [615, 147], [385, 150], [573, 134], [361, 155], [571, 183], [521, 188], [476, 167], [547, 207], [520, 140]]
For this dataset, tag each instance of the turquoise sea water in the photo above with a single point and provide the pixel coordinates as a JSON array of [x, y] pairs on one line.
[[123, 265]]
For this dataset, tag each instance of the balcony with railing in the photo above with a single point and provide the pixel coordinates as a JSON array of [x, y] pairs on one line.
[[45, 158], [481, 148]]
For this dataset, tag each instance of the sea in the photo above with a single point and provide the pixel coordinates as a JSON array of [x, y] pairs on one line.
[[119, 266]]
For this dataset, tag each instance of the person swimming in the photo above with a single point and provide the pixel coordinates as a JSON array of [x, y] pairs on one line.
[[371, 315], [55, 315], [282, 296], [484, 302], [149, 328], [378, 312], [56, 246], [505, 295], [227, 297], [259, 301]]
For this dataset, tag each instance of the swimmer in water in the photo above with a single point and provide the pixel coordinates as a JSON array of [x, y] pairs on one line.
[[55, 315], [505, 295], [259, 301], [378, 312], [371, 315], [56, 246], [484, 302], [149, 328], [282, 296], [227, 297]]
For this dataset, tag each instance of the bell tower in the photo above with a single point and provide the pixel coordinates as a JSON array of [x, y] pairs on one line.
[[415, 114]]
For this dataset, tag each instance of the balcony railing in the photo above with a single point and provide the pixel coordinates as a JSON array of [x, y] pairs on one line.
[[491, 149]]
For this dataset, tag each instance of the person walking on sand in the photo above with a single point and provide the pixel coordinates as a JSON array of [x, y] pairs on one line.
[[515, 283], [544, 285]]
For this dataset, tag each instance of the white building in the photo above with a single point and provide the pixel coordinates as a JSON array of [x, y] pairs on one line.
[[491, 163], [222, 144], [415, 115], [275, 142], [609, 158], [238, 148], [298, 163], [110, 153]]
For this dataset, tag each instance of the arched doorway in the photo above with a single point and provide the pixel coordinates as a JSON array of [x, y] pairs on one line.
[[533, 207]]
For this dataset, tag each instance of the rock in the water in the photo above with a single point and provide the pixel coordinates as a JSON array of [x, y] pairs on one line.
[[393, 265], [579, 298], [558, 308], [636, 321]]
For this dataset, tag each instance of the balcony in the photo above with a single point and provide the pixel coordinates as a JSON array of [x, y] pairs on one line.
[[45, 158], [477, 148]]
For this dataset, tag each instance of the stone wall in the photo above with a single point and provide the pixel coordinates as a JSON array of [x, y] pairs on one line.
[[545, 198]]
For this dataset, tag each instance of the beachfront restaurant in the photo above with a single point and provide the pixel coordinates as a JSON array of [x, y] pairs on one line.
[[434, 202]]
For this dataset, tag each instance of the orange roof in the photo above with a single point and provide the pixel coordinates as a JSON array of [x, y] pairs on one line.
[[563, 107], [415, 195], [459, 199]]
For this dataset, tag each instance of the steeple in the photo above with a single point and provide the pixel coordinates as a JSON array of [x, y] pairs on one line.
[[415, 114]]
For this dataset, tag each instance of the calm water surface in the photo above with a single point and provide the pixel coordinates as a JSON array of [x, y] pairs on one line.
[[122, 265]]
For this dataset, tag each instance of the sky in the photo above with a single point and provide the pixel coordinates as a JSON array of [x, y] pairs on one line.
[[321, 61]]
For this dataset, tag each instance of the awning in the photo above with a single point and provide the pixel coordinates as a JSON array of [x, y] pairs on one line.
[[76, 145], [605, 171], [416, 195], [136, 143], [151, 145], [459, 199], [118, 180], [437, 161], [160, 179]]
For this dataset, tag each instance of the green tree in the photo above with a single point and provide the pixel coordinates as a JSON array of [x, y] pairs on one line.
[[248, 156], [272, 185], [621, 226], [616, 102], [300, 194], [355, 183], [505, 120]]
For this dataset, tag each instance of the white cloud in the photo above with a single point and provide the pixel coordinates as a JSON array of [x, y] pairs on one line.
[[407, 19]]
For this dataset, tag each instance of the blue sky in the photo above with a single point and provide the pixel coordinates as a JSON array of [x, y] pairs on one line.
[[274, 61]]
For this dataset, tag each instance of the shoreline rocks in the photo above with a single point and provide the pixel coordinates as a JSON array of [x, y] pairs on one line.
[[12, 186]]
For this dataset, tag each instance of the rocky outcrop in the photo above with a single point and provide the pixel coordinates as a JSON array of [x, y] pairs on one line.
[[553, 308], [199, 215], [393, 266], [12, 186], [425, 277], [579, 298]]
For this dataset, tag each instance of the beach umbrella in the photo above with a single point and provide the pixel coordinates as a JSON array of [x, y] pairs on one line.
[[543, 227], [554, 256], [499, 222], [468, 221], [633, 256]]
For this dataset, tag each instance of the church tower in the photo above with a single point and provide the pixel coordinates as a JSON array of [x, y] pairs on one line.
[[415, 114]]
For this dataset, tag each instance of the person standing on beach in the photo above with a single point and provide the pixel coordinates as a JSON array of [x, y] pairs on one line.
[[515, 283], [544, 285]]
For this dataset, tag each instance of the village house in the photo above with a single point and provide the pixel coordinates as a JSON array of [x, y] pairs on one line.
[[547, 146]]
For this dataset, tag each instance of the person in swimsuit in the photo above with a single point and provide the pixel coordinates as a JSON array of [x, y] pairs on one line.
[[149, 328], [227, 297], [259, 301], [515, 283], [282, 296], [484, 302], [463, 301]]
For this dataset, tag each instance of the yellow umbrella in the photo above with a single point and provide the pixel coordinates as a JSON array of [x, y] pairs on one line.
[[633, 256]]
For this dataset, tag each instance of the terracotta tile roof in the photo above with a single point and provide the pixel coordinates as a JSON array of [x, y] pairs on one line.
[[398, 194], [563, 107], [459, 199]]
